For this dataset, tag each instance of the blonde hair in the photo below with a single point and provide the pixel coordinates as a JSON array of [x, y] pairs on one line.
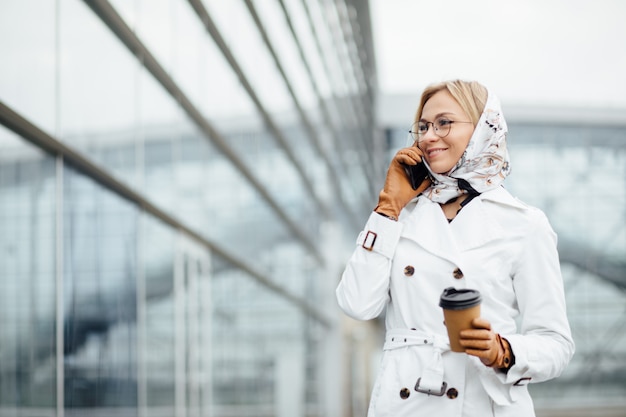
[[470, 95]]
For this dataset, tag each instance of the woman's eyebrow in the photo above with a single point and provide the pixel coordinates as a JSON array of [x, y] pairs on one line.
[[438, 115]]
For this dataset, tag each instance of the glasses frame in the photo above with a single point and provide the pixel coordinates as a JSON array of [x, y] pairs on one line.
[[417, 136]]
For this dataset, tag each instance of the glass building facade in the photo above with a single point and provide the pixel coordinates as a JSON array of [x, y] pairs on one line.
[[181, 183]]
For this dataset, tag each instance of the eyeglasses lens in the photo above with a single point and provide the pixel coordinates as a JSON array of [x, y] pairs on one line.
[[419, 129]]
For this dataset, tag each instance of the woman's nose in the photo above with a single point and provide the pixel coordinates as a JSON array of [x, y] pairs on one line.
[[430, 135]]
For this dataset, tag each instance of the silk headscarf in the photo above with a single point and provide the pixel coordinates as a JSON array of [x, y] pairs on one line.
[[485, 163]]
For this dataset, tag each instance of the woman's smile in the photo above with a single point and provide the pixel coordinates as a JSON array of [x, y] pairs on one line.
[[434, 152]]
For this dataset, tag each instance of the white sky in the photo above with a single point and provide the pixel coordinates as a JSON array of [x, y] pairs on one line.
[[548, 52]]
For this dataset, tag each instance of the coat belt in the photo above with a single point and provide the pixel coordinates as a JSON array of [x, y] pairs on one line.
[[397, 338], [431, 379]]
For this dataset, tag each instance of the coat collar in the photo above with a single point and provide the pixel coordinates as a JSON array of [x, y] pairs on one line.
[[501, 196], [425, 223]]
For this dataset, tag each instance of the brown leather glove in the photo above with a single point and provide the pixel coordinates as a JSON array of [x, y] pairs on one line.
[[482, 342], [397, 191]]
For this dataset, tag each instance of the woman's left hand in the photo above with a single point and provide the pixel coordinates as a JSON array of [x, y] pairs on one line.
[[484, 343], [397, 191]]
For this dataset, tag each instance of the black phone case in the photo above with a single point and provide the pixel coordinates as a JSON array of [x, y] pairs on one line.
[[416, 173]]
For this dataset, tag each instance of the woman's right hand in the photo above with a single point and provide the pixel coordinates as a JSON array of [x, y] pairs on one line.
[[397, 191]]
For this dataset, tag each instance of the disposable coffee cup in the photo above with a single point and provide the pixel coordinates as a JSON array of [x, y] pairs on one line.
[[460, 307]]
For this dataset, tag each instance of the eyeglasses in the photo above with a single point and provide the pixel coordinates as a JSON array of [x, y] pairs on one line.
[[441, 128]]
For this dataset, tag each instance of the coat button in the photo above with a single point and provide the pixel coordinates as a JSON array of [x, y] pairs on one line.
[[452, 393], [404, 393], [409, 270], [457, 273]]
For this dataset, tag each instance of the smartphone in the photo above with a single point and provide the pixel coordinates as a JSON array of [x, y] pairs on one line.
[[416, 173]]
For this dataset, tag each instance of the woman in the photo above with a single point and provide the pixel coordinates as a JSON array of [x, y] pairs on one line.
[[460, 229]]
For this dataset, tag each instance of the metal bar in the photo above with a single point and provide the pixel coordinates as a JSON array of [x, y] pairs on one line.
[[141, 309], [59, 290], [180, 347], [35, 135], [59, 243]]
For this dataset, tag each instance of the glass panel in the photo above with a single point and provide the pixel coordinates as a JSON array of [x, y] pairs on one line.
[[302, 27], [258, 349], [236, 216], [29, 61], [100, 268], [97, 92], [283, 43], [219, 95], [128, 10], [270, 165], [323, 31], [242, 37], [292, 268], [195, 191], [173, 33], [160, 155], [336, 29], [27, 279]]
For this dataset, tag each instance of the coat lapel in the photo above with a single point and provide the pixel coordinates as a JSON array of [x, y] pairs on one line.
[[473, 227], [426, 225]]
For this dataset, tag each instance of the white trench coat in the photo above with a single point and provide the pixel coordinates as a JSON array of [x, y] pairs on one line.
[[497, 245]]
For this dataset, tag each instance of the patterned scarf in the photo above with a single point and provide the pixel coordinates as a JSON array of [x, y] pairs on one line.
[[485, 163]]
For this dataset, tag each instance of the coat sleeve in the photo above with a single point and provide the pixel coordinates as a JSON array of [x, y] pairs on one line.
[[363, 291], [544, 345]]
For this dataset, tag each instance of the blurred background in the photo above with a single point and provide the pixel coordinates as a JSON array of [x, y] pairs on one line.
[[182, 182]]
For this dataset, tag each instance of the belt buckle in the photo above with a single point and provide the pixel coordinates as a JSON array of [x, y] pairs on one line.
[[444, 385]]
